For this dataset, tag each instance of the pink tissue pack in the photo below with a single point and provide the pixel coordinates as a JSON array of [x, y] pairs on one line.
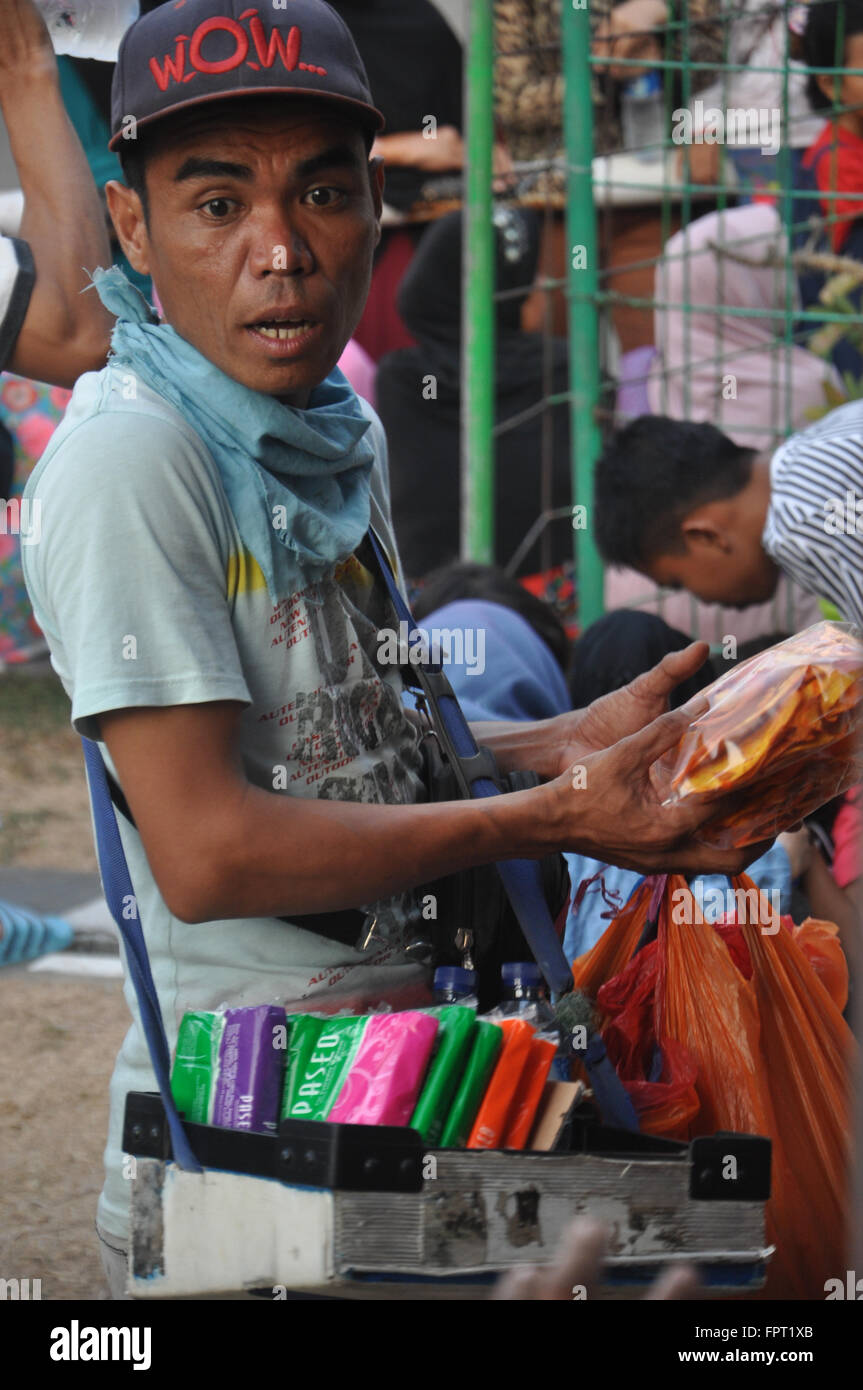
[[384, 1081]]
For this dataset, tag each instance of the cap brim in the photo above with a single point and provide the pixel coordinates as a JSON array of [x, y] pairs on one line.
[[368, 116]]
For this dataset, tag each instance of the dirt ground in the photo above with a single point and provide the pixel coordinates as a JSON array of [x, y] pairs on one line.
[[61, 1036], [58, 1036], [44, 811]]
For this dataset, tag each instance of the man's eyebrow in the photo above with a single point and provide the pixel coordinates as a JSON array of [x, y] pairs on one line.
[[344, 156], [197, 168]]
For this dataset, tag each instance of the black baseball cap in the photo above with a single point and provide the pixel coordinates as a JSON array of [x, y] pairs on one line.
[[187, 52]]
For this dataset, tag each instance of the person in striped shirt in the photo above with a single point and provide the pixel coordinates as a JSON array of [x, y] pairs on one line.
[[683, 504]]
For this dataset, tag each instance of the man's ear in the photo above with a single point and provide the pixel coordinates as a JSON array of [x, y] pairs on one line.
[[701, 532], [130, 224], [376, 180]]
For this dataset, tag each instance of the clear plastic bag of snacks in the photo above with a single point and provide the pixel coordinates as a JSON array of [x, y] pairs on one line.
[[783, 735]]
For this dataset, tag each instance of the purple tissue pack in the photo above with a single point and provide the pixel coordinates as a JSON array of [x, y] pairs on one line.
[[251, 1058]]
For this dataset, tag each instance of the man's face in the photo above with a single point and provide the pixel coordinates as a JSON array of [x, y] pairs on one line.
[[736, 576], [263, 220]]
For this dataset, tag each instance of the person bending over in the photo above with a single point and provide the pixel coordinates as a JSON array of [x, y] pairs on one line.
[[684, 505]]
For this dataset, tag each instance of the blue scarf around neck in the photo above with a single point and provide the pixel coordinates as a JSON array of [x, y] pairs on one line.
[[301, 476]]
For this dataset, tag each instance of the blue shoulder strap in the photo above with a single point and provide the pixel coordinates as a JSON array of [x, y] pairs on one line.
[[521, 878], [120, 896]]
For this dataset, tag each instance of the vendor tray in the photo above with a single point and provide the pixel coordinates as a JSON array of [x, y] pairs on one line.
[[369, 1212]]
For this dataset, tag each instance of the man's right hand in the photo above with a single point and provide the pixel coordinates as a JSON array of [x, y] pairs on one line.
[[25, 45], [607, 806]]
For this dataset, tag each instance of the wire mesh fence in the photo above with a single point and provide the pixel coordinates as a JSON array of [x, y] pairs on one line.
[[691, 169]]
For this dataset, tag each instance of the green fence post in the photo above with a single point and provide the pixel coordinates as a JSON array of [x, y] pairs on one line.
[[478, 352], [582, 290]]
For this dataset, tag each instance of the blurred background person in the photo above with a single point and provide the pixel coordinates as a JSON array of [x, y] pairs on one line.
[[419, 402], [759, 36], [414, 64], [50, 332], [832, 168], [529, 81]]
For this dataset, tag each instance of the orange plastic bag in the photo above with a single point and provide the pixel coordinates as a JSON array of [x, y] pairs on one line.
[[660, 1081], [773, 1055], [771, 1050], [614, 948], [808, 1051], [819, 942], [704, 1003]]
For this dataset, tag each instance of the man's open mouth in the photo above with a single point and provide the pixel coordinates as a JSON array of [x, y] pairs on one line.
[[282, 330]]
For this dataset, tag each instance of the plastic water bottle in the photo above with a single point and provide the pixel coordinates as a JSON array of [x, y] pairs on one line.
[[524, 994], [453, 985], [88, 28], [642, 114]]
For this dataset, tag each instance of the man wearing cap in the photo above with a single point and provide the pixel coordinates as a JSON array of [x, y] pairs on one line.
[[213, 611]]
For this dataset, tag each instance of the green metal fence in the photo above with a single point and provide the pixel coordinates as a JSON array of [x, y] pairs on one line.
[[597, 190]]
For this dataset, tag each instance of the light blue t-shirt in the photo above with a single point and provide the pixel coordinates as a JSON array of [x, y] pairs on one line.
[[147, 597]]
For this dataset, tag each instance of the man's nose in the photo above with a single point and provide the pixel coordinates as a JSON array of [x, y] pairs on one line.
[[279, 247]]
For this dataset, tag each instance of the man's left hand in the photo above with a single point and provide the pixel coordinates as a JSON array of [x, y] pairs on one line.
[[624, 711]]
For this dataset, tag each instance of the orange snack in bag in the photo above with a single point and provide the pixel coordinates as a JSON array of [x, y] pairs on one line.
[[529, 1093], [782, 732], [498, 1102]]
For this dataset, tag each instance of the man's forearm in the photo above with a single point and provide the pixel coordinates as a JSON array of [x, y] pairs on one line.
[[220, 847], [522, 747], [65, 332], [295, 857]]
